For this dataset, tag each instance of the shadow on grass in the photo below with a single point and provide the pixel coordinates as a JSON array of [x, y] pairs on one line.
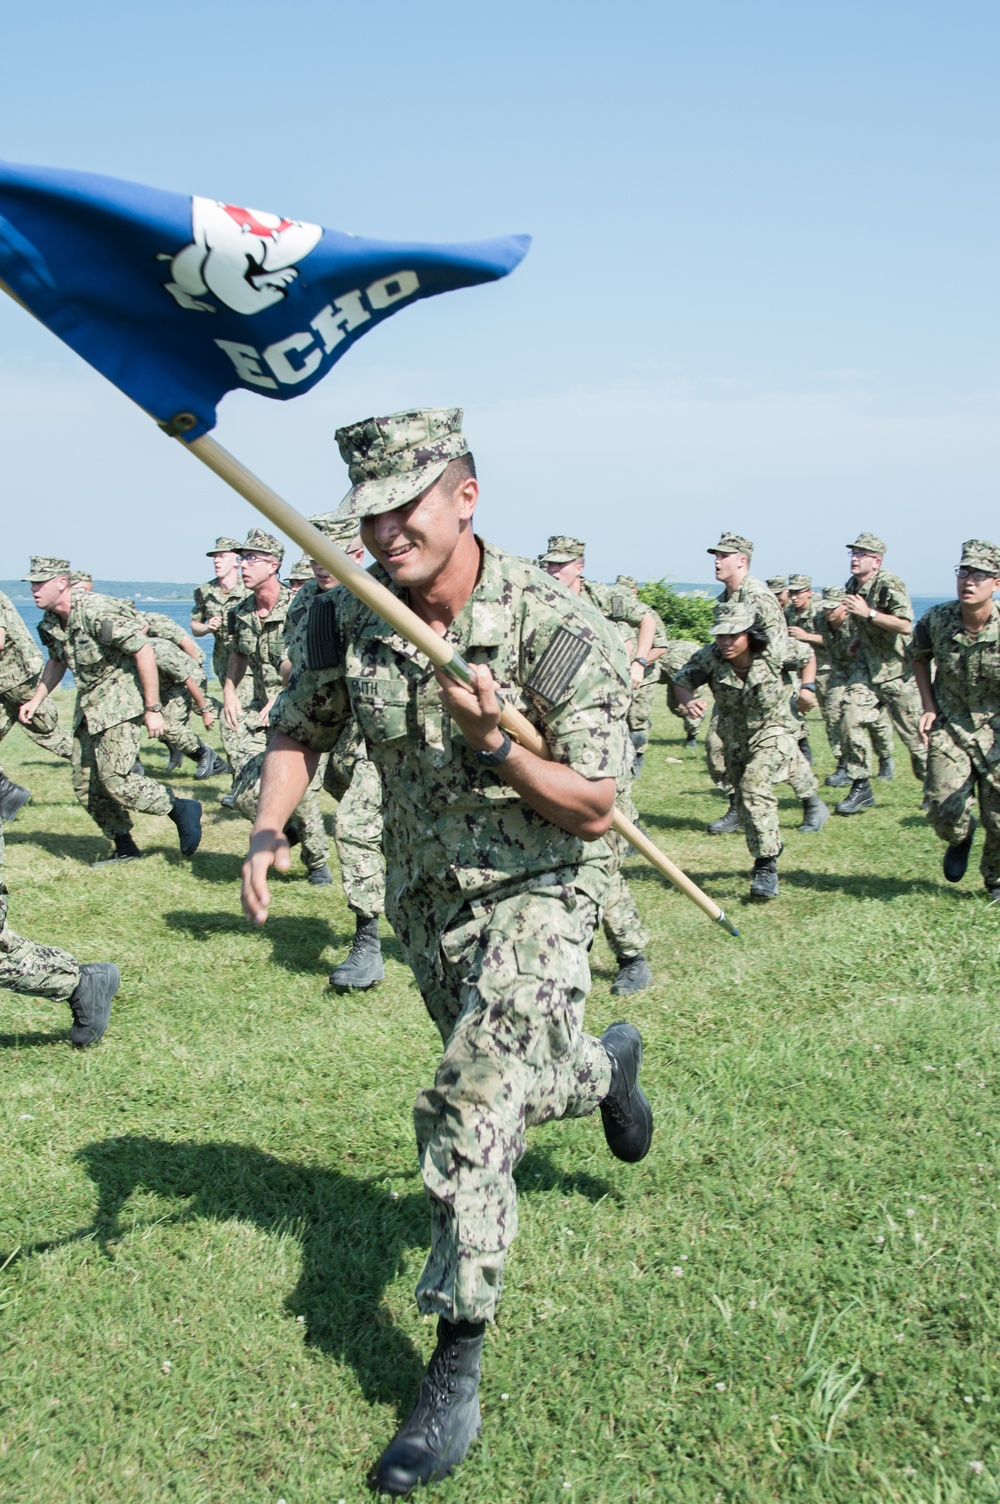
[[28, 1041], [83, 849], [673, 822], [860, 884], [295, 941]]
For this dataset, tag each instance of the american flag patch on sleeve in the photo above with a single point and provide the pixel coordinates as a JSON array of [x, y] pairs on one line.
[[558, 666]]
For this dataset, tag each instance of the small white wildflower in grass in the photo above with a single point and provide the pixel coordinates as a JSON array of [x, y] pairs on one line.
[[923, 1198], [963, 1297], [393, 1195], [753, 1305], [977, 1468], [505, 1396], [26, 1117], [967, 1398], [677, 1271], [720, 1387], [166, 1366], [683, 1258], [910, 1212], [567, 1483], [300, 1319], [774, 1417], [899, 1336], [880, 1239]]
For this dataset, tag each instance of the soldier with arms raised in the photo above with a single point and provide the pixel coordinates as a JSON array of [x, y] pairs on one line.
[[496, 867]]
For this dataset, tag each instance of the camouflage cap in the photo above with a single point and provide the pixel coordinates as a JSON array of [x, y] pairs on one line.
[[867, 543], [732, 617], [979, 553], [223, 546], [391, 460], [732, 543], [45, 567], [344, 531], [832, 596], [777, 582], [259, 542], [627, 582], [797, 582], [80, 577], [562, 550], [302, 570]]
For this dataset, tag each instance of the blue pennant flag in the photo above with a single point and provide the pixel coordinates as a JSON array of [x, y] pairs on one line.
[[180, 300]]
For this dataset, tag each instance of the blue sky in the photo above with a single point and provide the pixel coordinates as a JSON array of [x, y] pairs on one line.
[[761, 293]]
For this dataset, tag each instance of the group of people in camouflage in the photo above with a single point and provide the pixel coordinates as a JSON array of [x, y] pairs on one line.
[[492, 863]]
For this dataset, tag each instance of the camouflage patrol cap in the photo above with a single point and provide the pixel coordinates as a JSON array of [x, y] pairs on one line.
[[223, 546], [797, 582], [979, 553], [867, 543], [303, 570], [562, 550], [777, 582], [732, 617], [344, 531], [259, 542], [45, 567], [832, 596], [627, 582], [391, 460], [732, 543], [80, 577]]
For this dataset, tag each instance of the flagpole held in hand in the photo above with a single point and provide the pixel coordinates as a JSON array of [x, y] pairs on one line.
[[409, 625]]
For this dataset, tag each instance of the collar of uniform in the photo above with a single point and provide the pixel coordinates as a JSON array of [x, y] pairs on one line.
[[990, 633], [278, 611]]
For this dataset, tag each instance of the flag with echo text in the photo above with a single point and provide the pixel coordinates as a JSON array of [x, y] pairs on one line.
[[179, 300]]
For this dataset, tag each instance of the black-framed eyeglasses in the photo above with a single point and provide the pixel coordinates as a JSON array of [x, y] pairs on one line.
[[977, 576]]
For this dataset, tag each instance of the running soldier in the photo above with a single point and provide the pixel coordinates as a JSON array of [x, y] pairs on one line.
[[623, 927], [496, 869], [20, 666], [833, 637], [960, 721], [214, 604], [640, 715], [103, 643]]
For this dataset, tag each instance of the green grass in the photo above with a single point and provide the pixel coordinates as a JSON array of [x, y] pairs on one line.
[[213, 1221]]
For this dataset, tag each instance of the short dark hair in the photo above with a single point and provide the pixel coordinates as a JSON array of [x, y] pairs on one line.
[[458, 472]]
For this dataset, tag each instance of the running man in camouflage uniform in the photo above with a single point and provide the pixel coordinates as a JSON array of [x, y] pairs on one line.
[[623, 927], [960, 721], [214, 603], [757, 729], [778, 586], [673, 660], [800, 618], [20, 666], [832, 637], [257, 625], [114, 666], [882, 617], [640, 715], [496, 869], [350, 777], [732, 569], [300, 574], [182, 688], [46, 971]]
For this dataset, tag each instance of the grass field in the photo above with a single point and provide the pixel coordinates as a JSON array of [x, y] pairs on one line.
[[211, 1224]]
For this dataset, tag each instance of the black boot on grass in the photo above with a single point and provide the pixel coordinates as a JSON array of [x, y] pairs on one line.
[[91, 1002], [627, 1115], [956, 858], [445, 1420], [764, 884], [726, 824], [13, 798], [363, 966], [186, 815], [815, 813], [860, 797], [837, 779]]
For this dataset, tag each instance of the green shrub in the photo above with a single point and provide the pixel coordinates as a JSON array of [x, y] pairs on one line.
[[686, 616]]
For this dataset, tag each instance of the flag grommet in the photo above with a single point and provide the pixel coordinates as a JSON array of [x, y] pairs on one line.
[[179, 423]]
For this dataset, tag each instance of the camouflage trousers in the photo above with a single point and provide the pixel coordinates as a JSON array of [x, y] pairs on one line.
[[357, 833], [715, 753], [880, 729], [506, 989], [25, 966], [178, 718], [862, 703], [45, 730], [250, 744], [103, 780], [955, 780], [623, 928], [640, 712], [231, 740], [755, 775]]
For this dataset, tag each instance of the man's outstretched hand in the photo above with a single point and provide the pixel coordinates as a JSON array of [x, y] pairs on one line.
[[268, 848]]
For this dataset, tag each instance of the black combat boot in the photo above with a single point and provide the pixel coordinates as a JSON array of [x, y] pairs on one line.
[[838, 778], [806, 750], [228, 799], [91, 1002], [815, 813], [363, 966], [633, 975], [886, 769], [860, 797], [125, 851], [627, 1115], [13, 798], [956, 858], [764, 884], [690, 734], [445, 1420], [186, 815], [174, 761], [320, 877], [726, 824], [208, 760]]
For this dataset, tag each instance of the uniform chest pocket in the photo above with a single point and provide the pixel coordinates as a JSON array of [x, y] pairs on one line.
[[86, 653], [380, 706]]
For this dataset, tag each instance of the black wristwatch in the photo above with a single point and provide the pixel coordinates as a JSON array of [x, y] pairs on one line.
[[149, 709], [643, 661], [811, 685], [497, 756]]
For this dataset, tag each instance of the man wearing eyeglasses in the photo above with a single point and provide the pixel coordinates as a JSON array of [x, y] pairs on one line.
[[882, 618], [960, 722]]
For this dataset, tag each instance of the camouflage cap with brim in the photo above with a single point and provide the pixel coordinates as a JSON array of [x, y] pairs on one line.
[[45, 567], [980, 553], [339, 532], [732, 543], [562, 549], [833, 595], [797, 582], [731, 618], [627, 582], [776, 582], [391, 460], [223, 546], [867, 543], [302, 569], [259, 542], [80, 577]]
